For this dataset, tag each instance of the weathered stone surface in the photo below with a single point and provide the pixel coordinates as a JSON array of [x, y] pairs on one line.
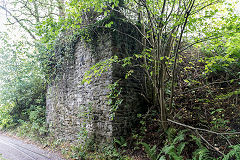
[[75, 109]]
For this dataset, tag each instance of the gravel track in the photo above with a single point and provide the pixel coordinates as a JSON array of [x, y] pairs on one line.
[[15, 149]]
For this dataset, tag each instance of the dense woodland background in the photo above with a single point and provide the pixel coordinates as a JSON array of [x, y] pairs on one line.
[[190, 55]]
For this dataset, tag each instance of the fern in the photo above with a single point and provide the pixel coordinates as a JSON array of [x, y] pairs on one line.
[[180, 137], [202, 153], [162, 158], [181, 147], [235, 152], [170, 150], [152, 152], [121, 142], [176, 146]]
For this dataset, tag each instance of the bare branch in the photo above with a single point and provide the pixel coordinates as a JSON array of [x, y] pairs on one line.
[[209, 144], [200, 129], [199, 41], [19, 22]]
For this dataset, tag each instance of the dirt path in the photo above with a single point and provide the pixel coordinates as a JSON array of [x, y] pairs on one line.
[[15, 149]]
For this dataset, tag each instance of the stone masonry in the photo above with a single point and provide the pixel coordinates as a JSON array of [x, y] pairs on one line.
[[75, 110]]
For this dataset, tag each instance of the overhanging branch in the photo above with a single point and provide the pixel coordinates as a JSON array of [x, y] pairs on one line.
[[19, 22]]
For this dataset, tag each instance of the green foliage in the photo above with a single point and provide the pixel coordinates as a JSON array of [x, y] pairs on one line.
[[110, 152], [218, 120], [219, 63], [1, 158], [85, 113], [22, 88], [114, 97], [233, 153], [98, 69], [175, 145], [85, 151], [151, 151], [37, 119], [223, 55], [34, 127], [54, 53], [227, 95], [6, 119], [233, 48], [202, 153], [121, 142], [28, 97], [49, 29]]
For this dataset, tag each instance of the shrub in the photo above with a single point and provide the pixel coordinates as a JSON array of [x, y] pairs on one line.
[[6, 119]]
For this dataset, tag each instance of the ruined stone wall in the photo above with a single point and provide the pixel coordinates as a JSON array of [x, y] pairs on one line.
[[72, 106], [75, 109]]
